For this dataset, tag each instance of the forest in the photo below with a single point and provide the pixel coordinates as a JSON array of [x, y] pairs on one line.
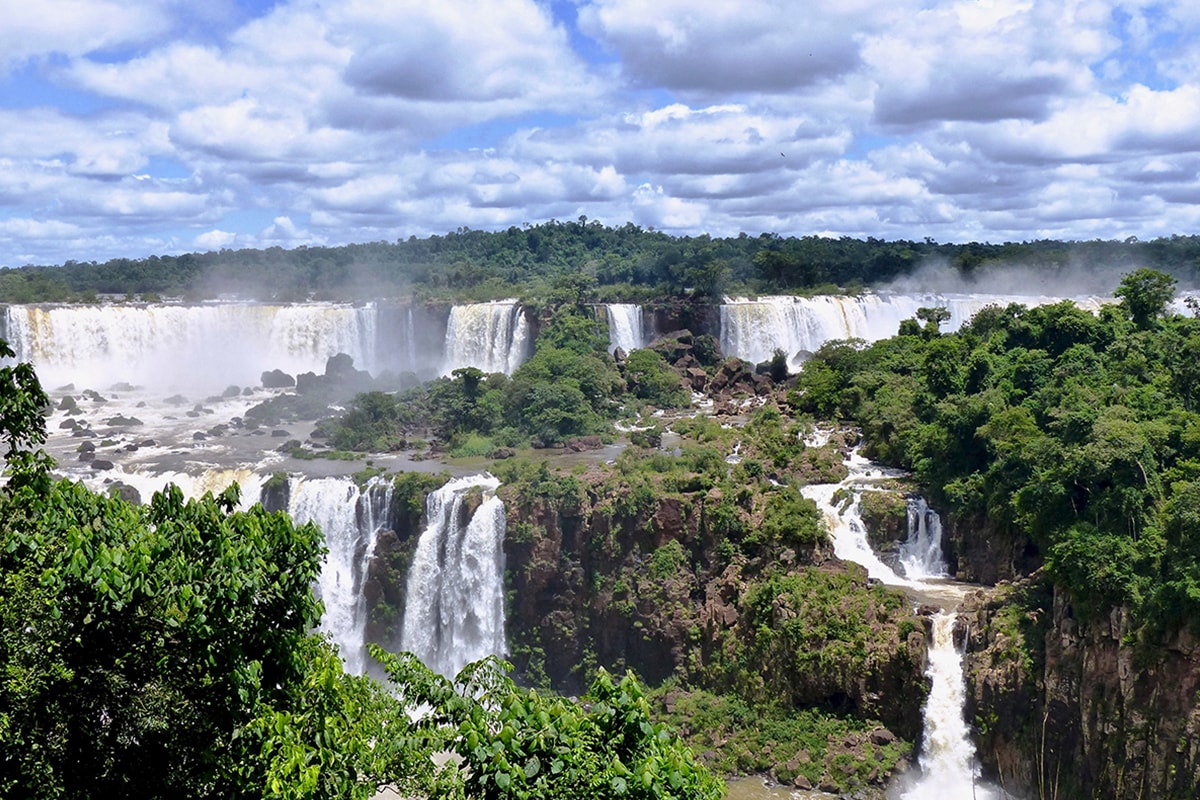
[[614, 263]]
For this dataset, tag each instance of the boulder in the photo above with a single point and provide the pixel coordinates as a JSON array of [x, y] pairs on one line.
[[277, 379]]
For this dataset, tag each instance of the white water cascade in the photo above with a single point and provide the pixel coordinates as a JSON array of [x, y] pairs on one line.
[[948, 769], [351, 519], [846, 527], [201, 346], [493, 337], [921, 556], [625, 327], [455, 608], [754, 329]]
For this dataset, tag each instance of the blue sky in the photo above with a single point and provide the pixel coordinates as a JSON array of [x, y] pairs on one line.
[[165, 126]]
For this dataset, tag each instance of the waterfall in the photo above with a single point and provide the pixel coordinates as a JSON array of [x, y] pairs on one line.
[[754, 329], [351, 519], [625, 327], [492, 337], [455, 609], [203, 346], [947, 760], [846, 527], [921, 555]]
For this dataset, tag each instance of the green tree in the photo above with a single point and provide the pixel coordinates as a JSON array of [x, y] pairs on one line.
[[165, 650], [1145, 294], [519, 744]]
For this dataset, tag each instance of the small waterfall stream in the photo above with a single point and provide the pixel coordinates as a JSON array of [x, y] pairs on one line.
[[948, 768], [625, 330], [493, 337], [455, 609]]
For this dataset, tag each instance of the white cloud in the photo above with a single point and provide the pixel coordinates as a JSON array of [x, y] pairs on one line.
[[75, 27]]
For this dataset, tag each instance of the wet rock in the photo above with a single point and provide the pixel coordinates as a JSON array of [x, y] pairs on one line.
[[277, 379], [232, 391], [68, 425], [120, 421], [121, 387], [176, 400], [199, 436], [101, 465], [126, 492], [280, 433]]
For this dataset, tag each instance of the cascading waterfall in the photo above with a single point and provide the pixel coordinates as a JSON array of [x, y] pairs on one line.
[[754, 329], [351, 519], [493, 337], [202, 346], [455, 609], [846, 527], [921, 556], [625, 327], [948, 768]]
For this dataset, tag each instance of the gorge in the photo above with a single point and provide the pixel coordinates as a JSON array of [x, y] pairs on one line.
[[671, 560]]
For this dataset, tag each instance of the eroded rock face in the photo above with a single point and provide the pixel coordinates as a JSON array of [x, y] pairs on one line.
[[1073, 708], [602, 580], [986, 554]]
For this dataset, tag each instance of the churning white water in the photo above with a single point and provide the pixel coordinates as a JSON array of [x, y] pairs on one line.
[[948, 769], [625, 327], [455, 608], [493, 337], [204, 346], [921, 555], [351, 519]]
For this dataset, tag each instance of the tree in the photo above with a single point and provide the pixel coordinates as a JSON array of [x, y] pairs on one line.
[[520, 744], [165, 650], [1145, 294]]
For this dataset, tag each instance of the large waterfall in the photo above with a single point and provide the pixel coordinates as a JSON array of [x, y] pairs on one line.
[[455, 608], [948, 768], [198, 346], [754, 329], [625, 327], [351, 519], [493, 337]]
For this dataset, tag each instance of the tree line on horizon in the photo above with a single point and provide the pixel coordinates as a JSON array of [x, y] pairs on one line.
[[617, 263]]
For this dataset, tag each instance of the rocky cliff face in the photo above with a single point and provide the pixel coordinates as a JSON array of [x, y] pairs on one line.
[[606, 579], [981, 552], [1076, 709]]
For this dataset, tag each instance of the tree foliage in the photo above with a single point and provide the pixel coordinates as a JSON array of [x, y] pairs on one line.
[[1079, 430]]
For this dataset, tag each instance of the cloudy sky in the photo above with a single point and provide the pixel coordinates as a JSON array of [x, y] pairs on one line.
[[135, 127]]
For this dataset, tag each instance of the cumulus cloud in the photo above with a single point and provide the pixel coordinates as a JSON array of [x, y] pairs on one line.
[[160, 126]]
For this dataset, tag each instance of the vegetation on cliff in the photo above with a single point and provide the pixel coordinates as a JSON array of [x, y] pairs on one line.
[[1079, 431]]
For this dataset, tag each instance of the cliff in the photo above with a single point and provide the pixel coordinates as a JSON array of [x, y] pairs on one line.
[[1075, 708]]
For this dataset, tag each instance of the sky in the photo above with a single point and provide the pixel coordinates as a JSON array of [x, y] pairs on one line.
[[130, 128]]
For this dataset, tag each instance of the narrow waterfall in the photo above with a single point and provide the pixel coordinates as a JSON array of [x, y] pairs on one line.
[[625, 327], [754, 329], [948, 768], [455, 609], [205, 346], [921, 556], [493, 337], [351, 519]]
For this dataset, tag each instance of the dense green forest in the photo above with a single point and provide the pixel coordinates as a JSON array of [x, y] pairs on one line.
[[626, 262], [1081, 432]]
